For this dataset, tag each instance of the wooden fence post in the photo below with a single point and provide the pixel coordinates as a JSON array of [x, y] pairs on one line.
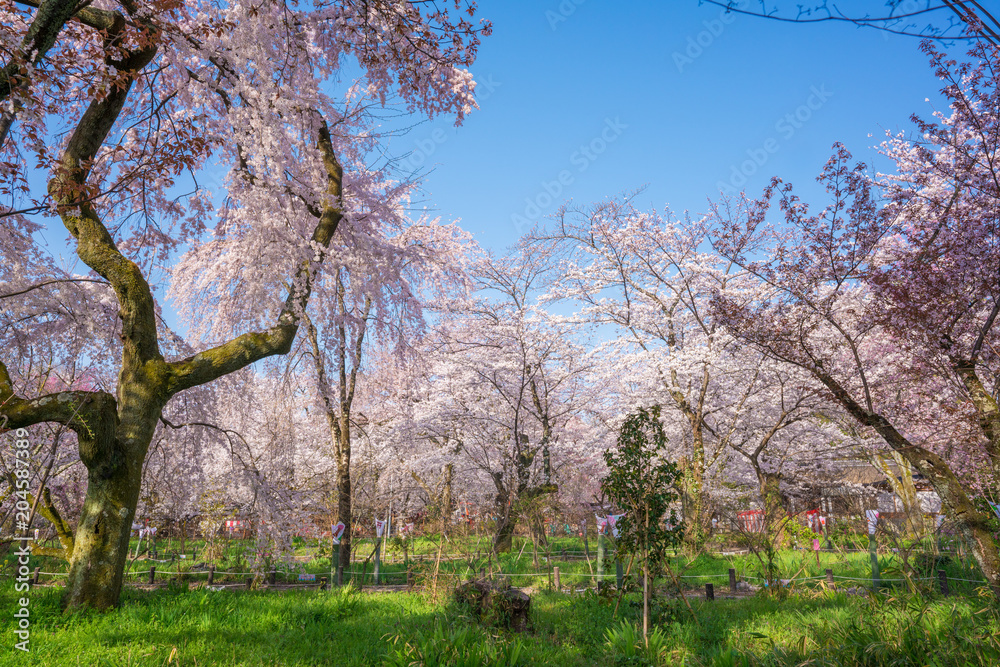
[[732, 580], [211, 574], [555, 573], [152, 573], [873, 554], [34, 576], [709, 592], [600, 560], [829, 576], [943, 578]]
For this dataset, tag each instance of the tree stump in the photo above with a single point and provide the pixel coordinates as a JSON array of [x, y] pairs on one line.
[[496, 603]]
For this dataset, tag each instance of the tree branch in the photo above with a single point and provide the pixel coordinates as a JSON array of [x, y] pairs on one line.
[[81, 411], [250, 347]]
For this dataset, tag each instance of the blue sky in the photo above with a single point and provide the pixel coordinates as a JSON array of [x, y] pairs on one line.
[[670, 96]]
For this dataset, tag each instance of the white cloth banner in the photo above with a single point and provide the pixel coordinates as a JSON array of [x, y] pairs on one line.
[[602, 524], [379, 527], [613, 522], [872, 516], [336, 531]]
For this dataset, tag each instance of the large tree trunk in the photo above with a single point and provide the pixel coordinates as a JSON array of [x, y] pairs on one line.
[[101, 544], [774, 504], [692, 504], [504, 537], [344, 491], [114, 460], [507, 521], [692, 484]]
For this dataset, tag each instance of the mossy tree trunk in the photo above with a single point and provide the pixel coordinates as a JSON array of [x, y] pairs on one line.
[[503, 535], [102, 537], [509, 505]]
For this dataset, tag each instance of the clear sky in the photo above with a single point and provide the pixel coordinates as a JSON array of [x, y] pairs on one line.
[[586, 99]]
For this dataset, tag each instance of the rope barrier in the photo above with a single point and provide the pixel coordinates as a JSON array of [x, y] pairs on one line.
[[584, 575], [555, 553]]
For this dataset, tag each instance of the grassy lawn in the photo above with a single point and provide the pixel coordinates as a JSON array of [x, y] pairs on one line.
[[175, 626], [798, 623]]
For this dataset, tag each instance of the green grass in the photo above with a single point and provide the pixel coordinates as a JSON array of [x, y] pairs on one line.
[[173, 626], [465, 555], [219, 628]]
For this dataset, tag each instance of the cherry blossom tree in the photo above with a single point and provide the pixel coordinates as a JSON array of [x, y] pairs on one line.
[[416, 261], [779, 425], [735, 420], [139, 100], [889, 302], [505, 391], [647, 275]]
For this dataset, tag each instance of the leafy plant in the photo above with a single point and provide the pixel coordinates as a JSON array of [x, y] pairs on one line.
[[454, 647], [641, 482], [630, 648]]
